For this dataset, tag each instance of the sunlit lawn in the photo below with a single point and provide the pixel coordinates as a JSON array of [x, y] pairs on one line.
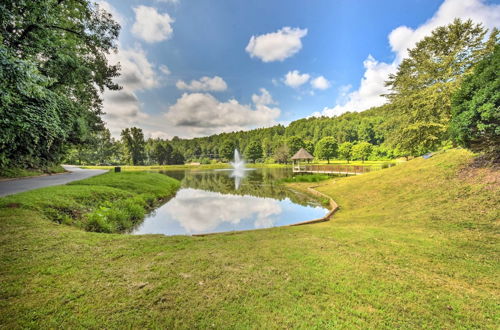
[[413, 246]]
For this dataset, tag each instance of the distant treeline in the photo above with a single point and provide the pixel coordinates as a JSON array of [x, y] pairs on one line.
[[363, 133]]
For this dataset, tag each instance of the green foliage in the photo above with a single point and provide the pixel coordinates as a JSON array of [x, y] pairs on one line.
[[282, 154], [422, 88], [133, 141], [326, 148], [345, 151], [361, 151], [476, 108], [226, 150], [161, 153], [294, 144], [306, 178], [53, 67], [253, 151]]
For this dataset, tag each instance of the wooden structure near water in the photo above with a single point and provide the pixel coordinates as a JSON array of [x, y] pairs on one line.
[[332, 169]]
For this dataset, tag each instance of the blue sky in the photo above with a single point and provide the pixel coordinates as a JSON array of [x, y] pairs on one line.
[[306, 58]]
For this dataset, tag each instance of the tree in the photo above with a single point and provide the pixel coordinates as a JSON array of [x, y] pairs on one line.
[[161, 152], [309, 146], [56, 53], [326, 148], [476, 108], [422, 88], [176, 158], [253, 151], [294, 143], [362, 150], [226, 150], [345, 151], [133, 141], [282, 154], [267, 147]]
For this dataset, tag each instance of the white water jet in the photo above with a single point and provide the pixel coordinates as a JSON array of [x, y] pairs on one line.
[[238, 164], [238, 169]]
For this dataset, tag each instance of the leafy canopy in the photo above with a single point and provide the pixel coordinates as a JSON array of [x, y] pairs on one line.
[[476, 108], [53, 67], [422, 88]]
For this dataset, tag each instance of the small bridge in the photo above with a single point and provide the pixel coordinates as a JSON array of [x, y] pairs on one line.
[[335, 169]]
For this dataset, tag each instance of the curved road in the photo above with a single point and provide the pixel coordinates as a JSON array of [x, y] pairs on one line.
[[19, 185]]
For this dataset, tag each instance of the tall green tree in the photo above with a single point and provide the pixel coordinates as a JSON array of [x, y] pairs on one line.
[[282, 154], [226, 151], [362, 150], [294, 143], [345, 151], [253, 151], [422, 88], [55, 52], [326, 148], [133, 141], [476, 108]]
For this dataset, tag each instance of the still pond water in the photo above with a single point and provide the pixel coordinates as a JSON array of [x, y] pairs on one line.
[[224, 200]]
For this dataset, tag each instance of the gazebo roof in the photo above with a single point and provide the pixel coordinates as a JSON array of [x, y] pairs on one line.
[[302, 154]]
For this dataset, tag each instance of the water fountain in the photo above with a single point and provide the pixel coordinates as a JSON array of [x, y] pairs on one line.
[[238, 169]]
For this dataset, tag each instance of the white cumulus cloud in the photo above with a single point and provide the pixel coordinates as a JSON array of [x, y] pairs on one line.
[[122, 107], [264, 98], [204, 84], [201, 113], [400, 39], [276, 46], [320, 83], [150, 25], [295, 79]]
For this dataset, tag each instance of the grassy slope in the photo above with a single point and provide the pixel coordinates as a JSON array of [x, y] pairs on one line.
[[8, 173], [412, 246], [111, 202]]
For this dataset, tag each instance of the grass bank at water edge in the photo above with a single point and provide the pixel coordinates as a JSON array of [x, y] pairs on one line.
[[111, 202], [413, 246], [13, 172]]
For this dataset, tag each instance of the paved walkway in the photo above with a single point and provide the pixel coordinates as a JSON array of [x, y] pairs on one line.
[[25, 184]]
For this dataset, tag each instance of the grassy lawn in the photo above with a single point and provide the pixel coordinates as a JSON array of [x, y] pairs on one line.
[[21, 172], [415, 245]]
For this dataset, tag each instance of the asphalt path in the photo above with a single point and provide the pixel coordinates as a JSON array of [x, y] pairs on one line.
[[19, 185]]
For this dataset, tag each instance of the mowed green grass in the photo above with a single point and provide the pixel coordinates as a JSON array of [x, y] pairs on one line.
[[13, 172], [412, 246]]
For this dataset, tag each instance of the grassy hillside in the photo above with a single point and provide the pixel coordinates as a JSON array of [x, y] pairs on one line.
[[9, 173], [412, 246]]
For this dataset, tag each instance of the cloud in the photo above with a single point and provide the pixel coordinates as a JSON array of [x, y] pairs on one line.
[[276, 46], [243, 209], [123, 107], [201, 114], [403, 37], [400, 39], [104, 5], [295, 79], [150, 25], [204, 84], [164, 69], [264, 98], [320, 83], [368, 94]]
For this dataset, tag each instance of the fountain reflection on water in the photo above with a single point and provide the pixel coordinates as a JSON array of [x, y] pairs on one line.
[[238, 169]]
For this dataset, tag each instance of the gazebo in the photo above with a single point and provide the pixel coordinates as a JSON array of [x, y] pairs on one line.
[[302, 154]]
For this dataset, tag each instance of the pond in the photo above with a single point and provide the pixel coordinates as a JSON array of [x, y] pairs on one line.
[[223, 200]]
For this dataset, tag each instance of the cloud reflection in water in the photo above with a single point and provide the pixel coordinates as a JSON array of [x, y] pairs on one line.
[[195, 211]]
